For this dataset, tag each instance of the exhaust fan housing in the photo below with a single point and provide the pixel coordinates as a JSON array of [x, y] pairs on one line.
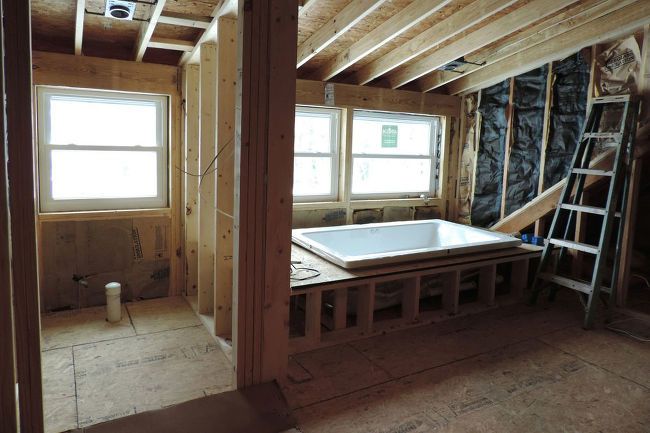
[[120, 9]]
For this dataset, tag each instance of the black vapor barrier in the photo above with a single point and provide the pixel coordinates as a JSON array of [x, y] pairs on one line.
[[486, 206], [567, 116], [529, 99]]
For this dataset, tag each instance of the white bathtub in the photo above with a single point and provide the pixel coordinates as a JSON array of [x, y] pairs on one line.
[[355, 246]]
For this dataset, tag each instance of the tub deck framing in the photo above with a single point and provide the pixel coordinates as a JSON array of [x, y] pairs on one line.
[[340, 281]]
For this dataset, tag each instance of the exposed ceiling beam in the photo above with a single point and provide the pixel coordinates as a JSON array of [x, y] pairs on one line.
[[613, 25], [354, 12], [582, 13], [171, 44], [184, 20], [460, 21], [146, 31], [495, 30], [227, 9], [304, 6], [79, 27], [388, 30]]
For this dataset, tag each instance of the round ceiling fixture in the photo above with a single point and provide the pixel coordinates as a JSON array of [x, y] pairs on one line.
[[119, 11]]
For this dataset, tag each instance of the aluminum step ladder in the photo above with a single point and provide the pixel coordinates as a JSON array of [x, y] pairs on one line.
[[568, 207]]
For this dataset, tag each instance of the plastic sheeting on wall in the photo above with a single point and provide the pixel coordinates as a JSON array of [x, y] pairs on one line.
[[568, 112], [486, 206], [529, 100]]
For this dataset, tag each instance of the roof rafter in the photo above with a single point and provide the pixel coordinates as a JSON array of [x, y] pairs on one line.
[[393, 27], [171, 44], [493, 31], [79, 27], [435, 35], [184, 20], [146, 31], [354, 12]]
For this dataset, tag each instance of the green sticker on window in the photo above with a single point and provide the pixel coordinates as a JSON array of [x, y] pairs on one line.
[[388, 135]]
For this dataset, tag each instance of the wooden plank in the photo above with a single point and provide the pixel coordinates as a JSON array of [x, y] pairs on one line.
[[171, 44], [309, 92], [192, 125], [539, 224], [366, 307], [228, 9], [519, 277], [20, 176], [184, 20], [615, 24], [578, 14], [451, 291], [313, 316], [146, 31], [177, 254], [495, 30], [56, 69], [508, 146], [448, 28], [207, 215], [340, 23], [397, 24], [340, 308], [79, 27], [226, 89], [628, 235], [411, 299], [486, 284], [305, 5], [263, 188]]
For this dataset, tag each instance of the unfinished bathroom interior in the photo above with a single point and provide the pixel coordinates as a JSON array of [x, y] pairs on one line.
[[324, 216]]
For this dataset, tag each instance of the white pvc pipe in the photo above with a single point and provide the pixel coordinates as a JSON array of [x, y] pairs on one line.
[[113, 305]]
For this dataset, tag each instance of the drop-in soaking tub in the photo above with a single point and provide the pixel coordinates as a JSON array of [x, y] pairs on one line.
[[355, 246]]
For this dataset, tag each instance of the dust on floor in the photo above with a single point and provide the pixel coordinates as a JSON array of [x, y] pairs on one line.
[[513, 369], [158, 355]]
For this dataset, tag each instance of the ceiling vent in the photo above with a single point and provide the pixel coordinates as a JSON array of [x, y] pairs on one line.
[[120, 9]]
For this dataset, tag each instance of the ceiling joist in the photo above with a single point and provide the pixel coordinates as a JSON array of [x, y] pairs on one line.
[[613, 25], [171, 44], [342, 22], [583, 12], [146, 31], [396, 25], [184, 20], [495, 30], [79, 27], [304, 6]]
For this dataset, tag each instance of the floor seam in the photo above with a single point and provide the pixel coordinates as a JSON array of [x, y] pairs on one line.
[[366, 357], [76, 394]]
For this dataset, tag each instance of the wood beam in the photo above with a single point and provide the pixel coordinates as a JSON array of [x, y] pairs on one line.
[[171, 44], [184, 20], [146, 31], [406, 18], [22, 190], [305, 5], [495, 30], [615, 24], [460, 21], [579, 14], [79, 27], [227, 8], [339, 24], [264, 138]]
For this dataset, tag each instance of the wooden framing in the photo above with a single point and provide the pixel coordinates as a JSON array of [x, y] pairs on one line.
[[266, 98], [341, 281], [546, 130], [495, 30], [342, 22], [24, 269], [458, 22], [146, 31], [79, 26], [399, 23], [226, 82], [207, 168], [508, 146], [171, 44], [184, 20], [191, 196]]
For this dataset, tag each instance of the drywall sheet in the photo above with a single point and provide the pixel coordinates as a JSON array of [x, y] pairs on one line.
[[529, 99], [486, 206], [467, 160], [570, 87]]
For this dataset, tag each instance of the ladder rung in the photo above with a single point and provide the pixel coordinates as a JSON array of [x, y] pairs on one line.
[[616, 135], [571, 284], [575, 245], [588, 209], [611, 99], [593, 172]]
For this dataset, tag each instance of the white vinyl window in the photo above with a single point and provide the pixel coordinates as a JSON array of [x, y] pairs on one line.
[[393, 155], [101, 150], [316, 154]]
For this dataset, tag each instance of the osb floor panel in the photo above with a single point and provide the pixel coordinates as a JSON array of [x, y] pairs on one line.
[[513, 369], [157, 356]]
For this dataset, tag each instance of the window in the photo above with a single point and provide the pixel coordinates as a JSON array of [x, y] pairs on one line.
[[101, 150], [393, 155], [316, 154]]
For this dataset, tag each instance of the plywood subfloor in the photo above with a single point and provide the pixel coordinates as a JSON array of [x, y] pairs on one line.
[[158, 355], [513, 369]]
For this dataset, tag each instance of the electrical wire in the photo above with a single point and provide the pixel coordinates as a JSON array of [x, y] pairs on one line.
[[626, 332], [207, 169], [295, 269]]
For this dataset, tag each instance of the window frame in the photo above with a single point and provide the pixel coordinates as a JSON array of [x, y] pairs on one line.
[[47, 204], [334, 154], [435, 132]]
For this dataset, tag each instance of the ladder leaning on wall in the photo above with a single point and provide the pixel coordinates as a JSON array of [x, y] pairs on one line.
[[568, 207]]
